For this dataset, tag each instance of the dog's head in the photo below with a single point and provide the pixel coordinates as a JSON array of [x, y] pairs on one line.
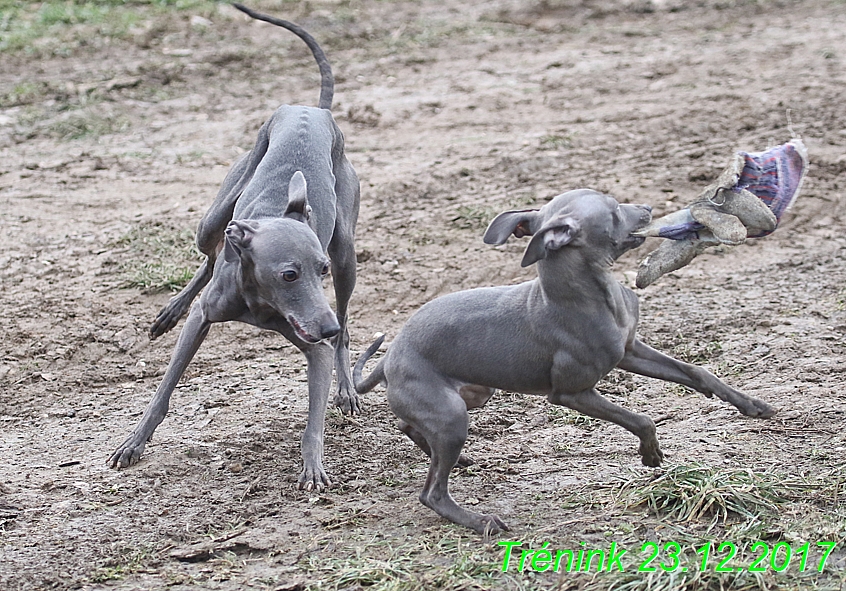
[[595, 223], [283, 266]]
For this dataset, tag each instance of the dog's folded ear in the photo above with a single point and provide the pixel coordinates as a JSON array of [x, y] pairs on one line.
[[298, 206], [520, 222], [239, 235], [556, 233]]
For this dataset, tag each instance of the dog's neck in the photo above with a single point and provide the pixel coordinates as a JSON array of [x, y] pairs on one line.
[[569, 276]]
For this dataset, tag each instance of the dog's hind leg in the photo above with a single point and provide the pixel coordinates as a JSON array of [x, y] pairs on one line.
[[593, 404], [193, 333], [210, 234], [474, 397], [342, 254], [646, 361], [169, 316], [417, 437], [439, 418]]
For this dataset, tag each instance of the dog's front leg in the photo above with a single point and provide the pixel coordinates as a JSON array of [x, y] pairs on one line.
[[593, 404], [644, 360], [195, 330], [319, 358]]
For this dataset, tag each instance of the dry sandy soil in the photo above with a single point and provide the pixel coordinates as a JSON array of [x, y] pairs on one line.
[[113, 146]]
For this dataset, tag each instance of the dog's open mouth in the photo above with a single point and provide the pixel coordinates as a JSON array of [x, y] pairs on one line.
[[633, 241], [638, 235], [308, 338]]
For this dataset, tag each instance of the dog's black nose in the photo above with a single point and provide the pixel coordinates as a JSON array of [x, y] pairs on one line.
[[327, 332]]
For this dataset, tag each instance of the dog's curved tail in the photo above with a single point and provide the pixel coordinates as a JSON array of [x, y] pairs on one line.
[[376, 376], [327, 80]]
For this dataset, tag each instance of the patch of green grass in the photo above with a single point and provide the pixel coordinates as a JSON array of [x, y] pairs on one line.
[[560, 415], [126, 561], [697, 352], [25, 25], [71, 13], [86, 123], [556, 141], [583, 498], [733, 510], [159, 277], [692, 580], [726, 568], [685, 493], [749, 512], [373, 564], [23, 93], [55, 26], [473, 217], [477, 217], [161, 257], [692, 492], [424, 562]]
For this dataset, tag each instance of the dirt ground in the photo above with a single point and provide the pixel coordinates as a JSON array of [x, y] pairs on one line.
[[113, 146]]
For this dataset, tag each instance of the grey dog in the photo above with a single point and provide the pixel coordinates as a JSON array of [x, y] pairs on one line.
[[556, 336], [282, 207]]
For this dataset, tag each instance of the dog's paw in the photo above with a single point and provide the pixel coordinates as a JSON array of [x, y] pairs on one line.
[[168, 317], [651, 454], [165, 321], [347, 400], [313, 478], [464, 461], [758, 409], [128, 453], [489, 525]]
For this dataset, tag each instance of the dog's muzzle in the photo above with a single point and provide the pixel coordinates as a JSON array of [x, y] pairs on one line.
[[304, 334], [636, 237]]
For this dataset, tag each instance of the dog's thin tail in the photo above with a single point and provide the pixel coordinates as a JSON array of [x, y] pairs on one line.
[[377, 375], [327, 80]]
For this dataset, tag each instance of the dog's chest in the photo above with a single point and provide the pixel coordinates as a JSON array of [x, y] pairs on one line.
[[586, 345], [584, 357]]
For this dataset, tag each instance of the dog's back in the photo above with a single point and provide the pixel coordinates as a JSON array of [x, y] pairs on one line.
[[480, 335], [297, 138]]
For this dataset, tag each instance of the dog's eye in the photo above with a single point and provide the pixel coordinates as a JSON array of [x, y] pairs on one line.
[[290, 276], [325, 270]]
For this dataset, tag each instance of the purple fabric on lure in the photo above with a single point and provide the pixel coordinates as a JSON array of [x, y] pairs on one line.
[[689, 231], [772, 176]]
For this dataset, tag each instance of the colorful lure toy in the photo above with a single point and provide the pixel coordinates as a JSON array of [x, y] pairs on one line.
[[747, 201]]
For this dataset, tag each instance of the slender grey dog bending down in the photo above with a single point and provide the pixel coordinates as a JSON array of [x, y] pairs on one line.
[[556, 336], [284, 205]]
